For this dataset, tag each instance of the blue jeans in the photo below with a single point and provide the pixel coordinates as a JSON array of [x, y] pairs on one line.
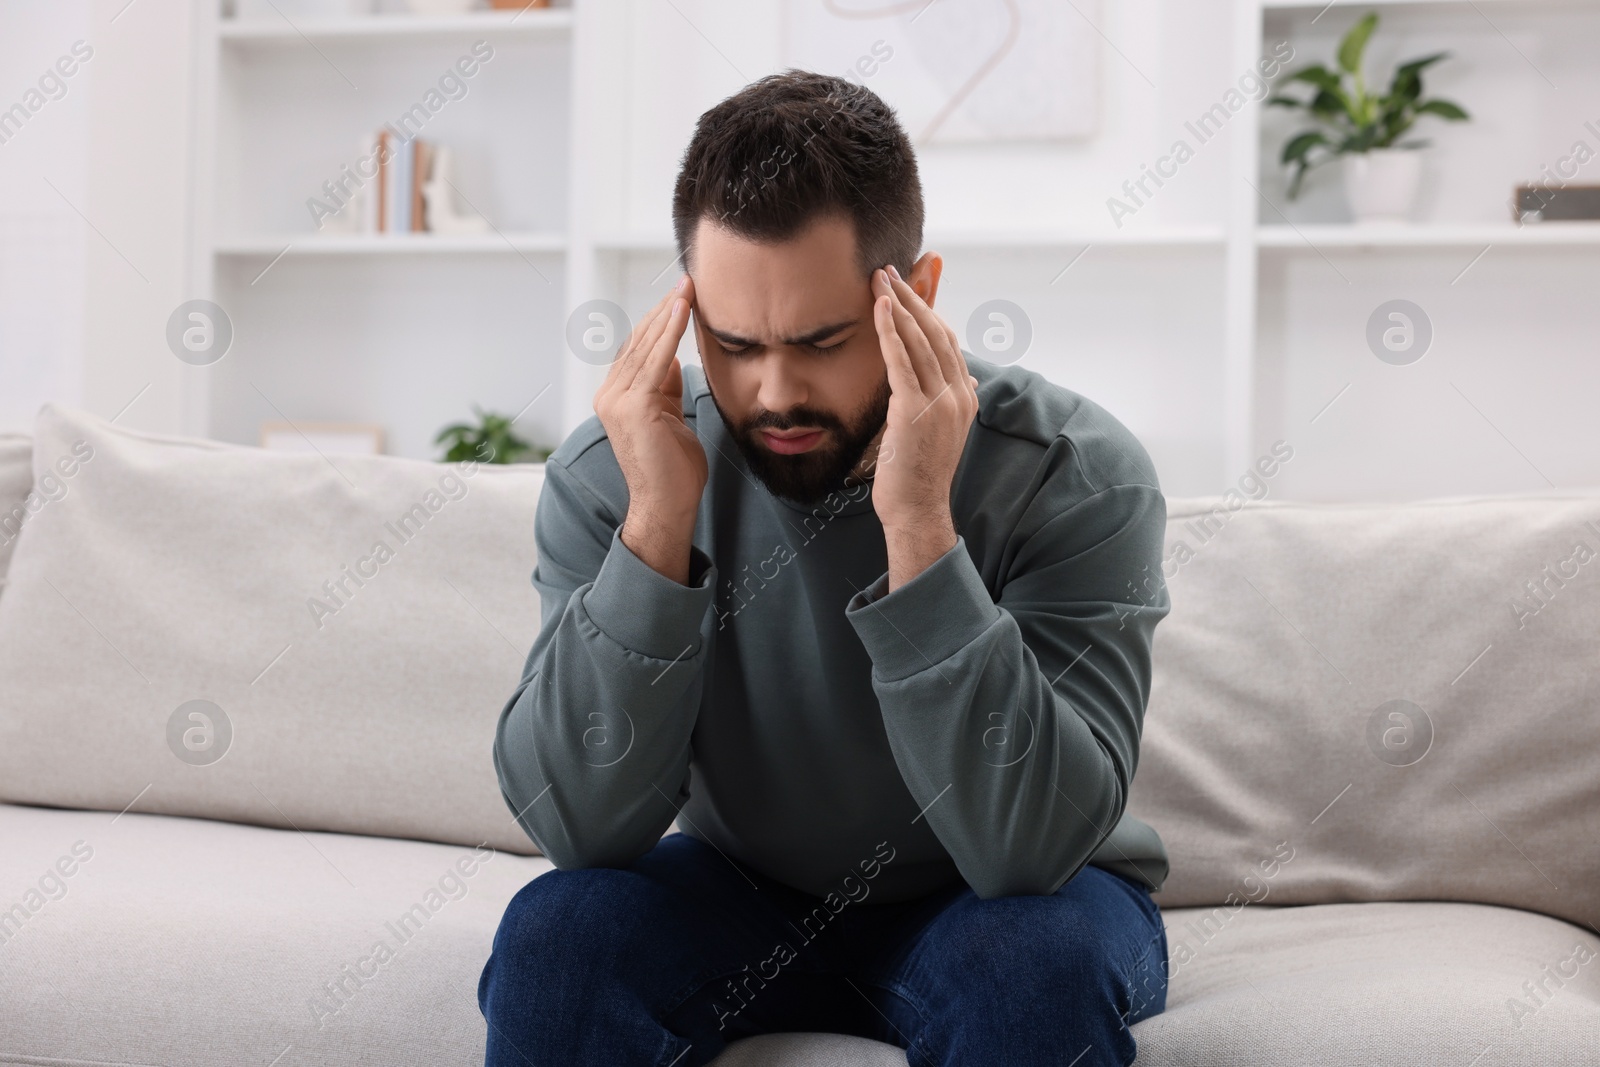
[[670, 960]]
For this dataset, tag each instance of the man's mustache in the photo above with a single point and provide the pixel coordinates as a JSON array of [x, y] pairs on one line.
[[770, 420]]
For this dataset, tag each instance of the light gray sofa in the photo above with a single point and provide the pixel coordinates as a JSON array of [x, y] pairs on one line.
[[1371, 749]]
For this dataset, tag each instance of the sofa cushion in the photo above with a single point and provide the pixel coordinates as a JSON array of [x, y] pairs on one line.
[[152, 939], [1379, 702], [1381, 983], [181, 942], [16, 482], [341, 632]]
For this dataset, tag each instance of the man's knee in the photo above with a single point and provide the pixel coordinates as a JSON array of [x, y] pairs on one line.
[[562, 908], [1018, 979], [1006, 938]]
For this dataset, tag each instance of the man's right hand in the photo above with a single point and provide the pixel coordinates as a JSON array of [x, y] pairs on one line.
[[640, 404]]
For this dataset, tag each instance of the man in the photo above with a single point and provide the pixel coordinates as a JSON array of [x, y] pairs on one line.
[[870, 618]]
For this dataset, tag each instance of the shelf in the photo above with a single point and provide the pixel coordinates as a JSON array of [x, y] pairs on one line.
[[1154, 237], [1047, 238], [1465, 5], [1311, 237], [393, 244], [540, 22]]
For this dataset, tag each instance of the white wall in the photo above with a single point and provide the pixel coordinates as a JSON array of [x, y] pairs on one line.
[[42, 237], [1501, 402], [1137, 329]]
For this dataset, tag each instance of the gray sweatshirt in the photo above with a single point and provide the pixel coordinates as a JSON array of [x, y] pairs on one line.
[[980, 723]]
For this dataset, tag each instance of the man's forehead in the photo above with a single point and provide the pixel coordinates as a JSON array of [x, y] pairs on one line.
[[821, 254], [776, 291]]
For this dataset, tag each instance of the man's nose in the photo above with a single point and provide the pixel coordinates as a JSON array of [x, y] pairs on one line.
[[781, 387]]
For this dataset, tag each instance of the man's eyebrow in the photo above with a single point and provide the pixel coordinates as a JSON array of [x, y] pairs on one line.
[[810, 337]]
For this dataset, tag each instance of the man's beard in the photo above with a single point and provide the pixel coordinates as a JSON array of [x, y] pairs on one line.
[[807, 477]]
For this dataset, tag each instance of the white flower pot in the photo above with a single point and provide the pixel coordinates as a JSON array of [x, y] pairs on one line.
[[1381, 185]]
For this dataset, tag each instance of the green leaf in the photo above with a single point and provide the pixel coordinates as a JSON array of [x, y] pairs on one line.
[[1407, 83], [1392, 130], [493, 440], [1295, 151], [1362, 140], [1326, 105], [1403, 90], [1317, 75], [1443, 108], [1299, 177], [1416, 66], [1285, 101], [1355, 42], [1330, 98]]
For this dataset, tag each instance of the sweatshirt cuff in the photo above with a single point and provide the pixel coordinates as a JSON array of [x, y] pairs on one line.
[[927, 620], [643, 610]]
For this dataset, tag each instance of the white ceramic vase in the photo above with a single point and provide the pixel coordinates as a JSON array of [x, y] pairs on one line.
[[1381, 185]]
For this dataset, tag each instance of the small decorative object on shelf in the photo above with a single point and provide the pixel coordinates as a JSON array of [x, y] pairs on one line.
[[1381, 172], [492, 440], [443, 215], [409, 191], [1557, 203]]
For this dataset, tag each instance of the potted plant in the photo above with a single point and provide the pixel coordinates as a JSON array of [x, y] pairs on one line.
[[492, 440], [1364, 128]]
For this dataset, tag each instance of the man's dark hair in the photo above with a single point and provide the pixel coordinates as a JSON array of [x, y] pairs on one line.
[[793, 146]]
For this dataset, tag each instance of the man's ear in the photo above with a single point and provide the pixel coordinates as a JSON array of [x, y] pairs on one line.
[[924, 277]]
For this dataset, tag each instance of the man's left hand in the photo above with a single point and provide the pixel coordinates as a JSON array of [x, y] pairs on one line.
[[931, 408]]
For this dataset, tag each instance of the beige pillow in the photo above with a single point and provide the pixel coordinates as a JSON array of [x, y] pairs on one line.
[[359, 621], [1274, 765], [16, 483]]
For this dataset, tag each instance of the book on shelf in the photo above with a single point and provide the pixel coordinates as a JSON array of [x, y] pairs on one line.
[[392, 200]]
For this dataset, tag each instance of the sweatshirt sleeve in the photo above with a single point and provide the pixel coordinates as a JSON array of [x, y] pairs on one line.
[[1015, 721], [592, 749]]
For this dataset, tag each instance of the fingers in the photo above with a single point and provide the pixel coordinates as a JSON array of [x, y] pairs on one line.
[[661, 349], [672, 386], [625, 365], [968, 381], [896, 359], [925, 364], [932, 337], [635, 364]]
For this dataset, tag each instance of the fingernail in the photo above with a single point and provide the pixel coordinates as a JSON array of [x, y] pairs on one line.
[[894, 272], [681, 279]]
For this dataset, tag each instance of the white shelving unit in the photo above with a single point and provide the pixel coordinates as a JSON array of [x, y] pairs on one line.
[[1491, 407], [1220, 318], [407, 330]]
